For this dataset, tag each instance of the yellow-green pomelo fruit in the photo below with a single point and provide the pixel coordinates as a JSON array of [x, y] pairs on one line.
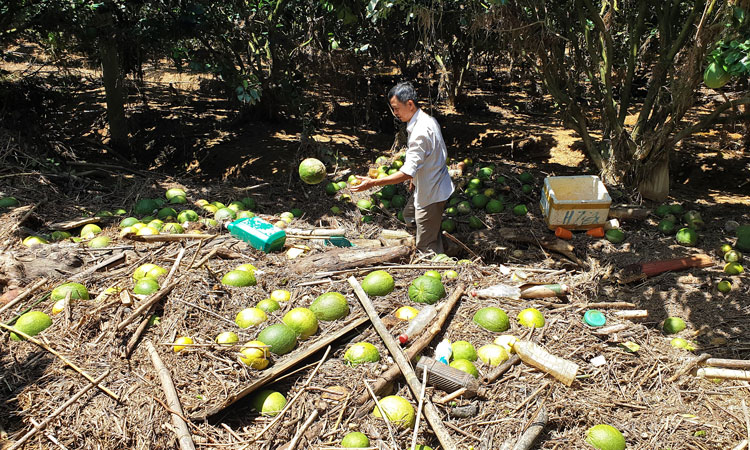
[[268, 305], [31, 323], [330, 306], [406, 313], [149, 271], [724, 286], [531, 317], [181, 343], [733, 268], [312, 171], [673, 325], [397, 410], [492, 354], [100, 242], [355, 439], [362, 352], [492, 319], [279, 337], [31, 241], [239, 278], [464, 350], [378, 283], [77, 292], [281, 295], [227, 338], [250, 317], [605, 437], [255, 354], [464, 365], [302, 321], [90, 230], [268, 402]]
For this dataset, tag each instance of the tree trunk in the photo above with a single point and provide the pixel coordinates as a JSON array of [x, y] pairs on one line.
[[113, 88]]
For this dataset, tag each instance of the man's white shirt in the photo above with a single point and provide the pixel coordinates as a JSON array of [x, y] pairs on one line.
[[425, 160]]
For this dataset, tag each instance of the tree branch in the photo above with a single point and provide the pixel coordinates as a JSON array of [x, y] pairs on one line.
[[712, 118]]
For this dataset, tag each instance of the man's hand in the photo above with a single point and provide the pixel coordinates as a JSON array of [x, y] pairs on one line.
[[365, 183], [411, 185]]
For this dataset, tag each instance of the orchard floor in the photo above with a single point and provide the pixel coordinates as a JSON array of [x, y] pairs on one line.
[[190, 141]]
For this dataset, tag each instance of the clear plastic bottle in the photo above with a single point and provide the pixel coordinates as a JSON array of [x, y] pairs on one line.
[[443, 351], [536, 356], [417, 324], [498, 291]]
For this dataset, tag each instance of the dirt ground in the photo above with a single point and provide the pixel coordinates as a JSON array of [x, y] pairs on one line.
[[53, 148]]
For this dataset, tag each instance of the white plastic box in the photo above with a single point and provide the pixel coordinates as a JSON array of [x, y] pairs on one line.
[[575, 203]]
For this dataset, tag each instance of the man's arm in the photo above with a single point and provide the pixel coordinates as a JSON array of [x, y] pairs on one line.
[[369, 183]]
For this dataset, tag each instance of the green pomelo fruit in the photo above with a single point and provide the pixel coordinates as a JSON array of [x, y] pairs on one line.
[[732, 256], [239, 278], [362, 352], [484, 173], [279, 337], [666, 226], [426, 289], [145, 206], [178, 200], [128, 222], [225, 214], [464, 365], [268, 402], [673, 325], [281, 295], [681, 343], [743, 238], [450, 274], [312, 171], [715, 76], [500, 180], [687, 236], [250, 203], [475, 223], [167, 213], [103, 214], [433, 273], [8, 202], [147, 231], [156, 224], [146, 286], [77, 292], [531, 317], [389, 191], [378, 283], [464, 350], [605, 437], [330, 306], [615, 235], [663, 210], [479, 201], [364, 205], [250, 317], [173, 228], [99, 242], [331, 188], [724, 286], [149, 270], [492, 354], [398, 201], [475, 183], [676, 208], [210, 209], [355, 439], [492, 319], [520, 210], [31, 241], [296, 212], [31, 323], [255, 355], [236, 206], [526, 177], [526, 188], [335, 210], [733, 268], [451, 211], [268, 305], [210, 223], [366, 219], [463, 207], [302, 321], [60, 235], [494, 206], [397, 410]]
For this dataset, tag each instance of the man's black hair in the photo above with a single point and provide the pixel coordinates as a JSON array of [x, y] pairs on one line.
[[404, 91]]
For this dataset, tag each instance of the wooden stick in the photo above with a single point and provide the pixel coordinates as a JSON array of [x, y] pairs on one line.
[[169, 237], [382, 413], [612, 329], [535, 429], [278, 369], [419, 409], [49, 436], [501, 369], [531, 396], [607, 305], [452, 396], [417, 346], [688, 367], [430, 412], [145, 306], [747, 417], [70, 363], [20, 297], [393, 267], [180, 426], [26, 215], [205, 259], [37, 428], [294, 399], [728, 363], [107, 262], [298, 435], [320, 232], [726, 374], [461, 244], [631, 314]]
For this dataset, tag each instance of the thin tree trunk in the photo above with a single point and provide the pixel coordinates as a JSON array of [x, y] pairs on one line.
[[113, 88]]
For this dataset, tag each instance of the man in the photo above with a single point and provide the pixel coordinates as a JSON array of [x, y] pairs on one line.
[[424, 167]]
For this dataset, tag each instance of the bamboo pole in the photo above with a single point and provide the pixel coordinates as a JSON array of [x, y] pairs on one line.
[[430, 412], [180, 426], [726, 374], [145, 306]]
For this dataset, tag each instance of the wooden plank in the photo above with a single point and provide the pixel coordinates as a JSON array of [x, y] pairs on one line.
[[74, 223], [278, 369]]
